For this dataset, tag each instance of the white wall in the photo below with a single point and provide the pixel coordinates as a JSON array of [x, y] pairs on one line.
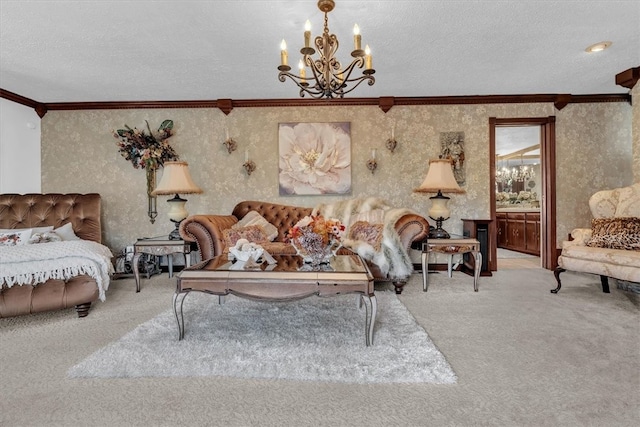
[[19, 148]]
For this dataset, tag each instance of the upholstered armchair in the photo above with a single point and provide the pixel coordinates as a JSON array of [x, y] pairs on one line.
[[611, 247]]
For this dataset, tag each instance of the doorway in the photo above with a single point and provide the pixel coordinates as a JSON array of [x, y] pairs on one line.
[[545, 183]]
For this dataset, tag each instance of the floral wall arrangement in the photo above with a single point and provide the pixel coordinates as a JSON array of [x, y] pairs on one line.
[[147, 151], [594, 151]]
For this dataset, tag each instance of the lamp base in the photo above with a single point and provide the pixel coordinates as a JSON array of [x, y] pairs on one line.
[[438, 232], [175, 234]]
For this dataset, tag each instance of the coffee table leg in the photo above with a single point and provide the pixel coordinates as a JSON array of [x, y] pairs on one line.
[[178, 301], [371, 305]]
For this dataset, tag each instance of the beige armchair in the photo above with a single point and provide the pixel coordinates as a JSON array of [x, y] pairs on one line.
[[611, 248]]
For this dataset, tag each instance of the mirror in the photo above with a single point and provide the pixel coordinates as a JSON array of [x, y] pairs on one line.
[[517, 167]]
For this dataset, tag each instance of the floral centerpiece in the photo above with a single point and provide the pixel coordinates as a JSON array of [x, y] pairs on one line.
[[316, 238]]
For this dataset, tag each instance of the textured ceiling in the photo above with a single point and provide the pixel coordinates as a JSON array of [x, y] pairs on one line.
[[84, 51]]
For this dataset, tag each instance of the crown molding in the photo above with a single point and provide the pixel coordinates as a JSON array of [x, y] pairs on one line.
[[628, 78], [39, 107], [385, 103]]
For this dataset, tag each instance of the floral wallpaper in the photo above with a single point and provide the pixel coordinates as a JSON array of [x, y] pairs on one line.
[[79, 154]]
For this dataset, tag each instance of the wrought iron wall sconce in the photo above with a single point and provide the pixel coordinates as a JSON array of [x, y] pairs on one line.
[[372, 165], [230, 143], [391, 143], [249, 165]]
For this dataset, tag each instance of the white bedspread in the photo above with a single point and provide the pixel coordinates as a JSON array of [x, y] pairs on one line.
[[36, 263]]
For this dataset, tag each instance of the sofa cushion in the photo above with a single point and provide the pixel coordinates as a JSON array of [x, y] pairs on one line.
[[252, 233], [615, 233], [254, 218]]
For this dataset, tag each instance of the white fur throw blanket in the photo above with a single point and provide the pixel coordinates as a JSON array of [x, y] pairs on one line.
[[36, 263], [392, 259]]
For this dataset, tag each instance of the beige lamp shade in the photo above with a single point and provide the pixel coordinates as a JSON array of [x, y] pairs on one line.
[[176, 179], [439, 178]]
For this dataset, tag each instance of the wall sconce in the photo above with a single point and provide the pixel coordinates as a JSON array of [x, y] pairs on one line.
[[372, 165], [391, 142], [249, 165], [229, 142]]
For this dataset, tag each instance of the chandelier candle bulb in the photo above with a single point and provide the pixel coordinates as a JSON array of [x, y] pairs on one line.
[[367, 58], [357, 37], [303, 72], [246, 155], [307, 34], [283, 53], [373, 154]]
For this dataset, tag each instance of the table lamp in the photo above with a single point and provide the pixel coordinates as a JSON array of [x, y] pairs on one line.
[[439, 179], [176, 179]]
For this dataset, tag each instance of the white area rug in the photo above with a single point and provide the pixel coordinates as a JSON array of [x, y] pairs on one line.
[[315, 339]]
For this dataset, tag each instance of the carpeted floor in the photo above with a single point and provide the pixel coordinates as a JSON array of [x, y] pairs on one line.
[[523, 357]]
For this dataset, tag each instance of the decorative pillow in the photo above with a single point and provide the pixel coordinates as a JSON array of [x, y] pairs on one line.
[[252, 233], [14, 238], [33, 229], [615, 233], [367, 232], [46, 237], [66, 232], [254, 218]]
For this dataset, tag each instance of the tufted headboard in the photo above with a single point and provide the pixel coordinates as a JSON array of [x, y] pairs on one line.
[[37, 210]]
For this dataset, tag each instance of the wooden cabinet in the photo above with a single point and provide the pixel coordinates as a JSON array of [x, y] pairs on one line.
[[519, 231], [477, 229], [532, 234]]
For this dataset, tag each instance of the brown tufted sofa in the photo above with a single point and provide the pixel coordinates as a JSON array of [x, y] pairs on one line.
[[207, 231], [37, 210]]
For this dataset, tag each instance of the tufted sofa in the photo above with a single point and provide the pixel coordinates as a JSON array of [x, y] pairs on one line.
[[37, 210], [598, 250], [207, 231]]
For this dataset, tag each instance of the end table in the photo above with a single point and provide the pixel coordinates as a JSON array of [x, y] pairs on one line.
[[159, 246], [451, 246]]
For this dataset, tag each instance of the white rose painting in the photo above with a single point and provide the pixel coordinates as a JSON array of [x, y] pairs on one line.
[[314, 158]]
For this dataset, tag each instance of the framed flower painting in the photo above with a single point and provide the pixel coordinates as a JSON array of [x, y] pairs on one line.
[[314, 158]]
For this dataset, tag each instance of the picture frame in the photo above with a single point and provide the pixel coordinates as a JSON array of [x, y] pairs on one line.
[[314, 158]]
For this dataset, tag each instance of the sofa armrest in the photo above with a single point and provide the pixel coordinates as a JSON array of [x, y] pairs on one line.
[[412, 228], [206, 231], [580, 237]]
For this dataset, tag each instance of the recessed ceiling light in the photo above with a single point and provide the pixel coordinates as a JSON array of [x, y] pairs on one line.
[[598, 47]]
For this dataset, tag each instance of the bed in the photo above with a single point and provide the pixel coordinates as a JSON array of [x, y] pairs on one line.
[[71, 270]]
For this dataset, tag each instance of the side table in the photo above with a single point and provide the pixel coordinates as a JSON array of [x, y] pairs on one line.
[[159, 246], [452, 246]]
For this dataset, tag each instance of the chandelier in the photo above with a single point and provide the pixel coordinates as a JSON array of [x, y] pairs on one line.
[[327, 78], [518, 174]]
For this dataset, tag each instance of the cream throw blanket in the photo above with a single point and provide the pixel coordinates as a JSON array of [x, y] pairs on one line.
[[36, 263], [392, 259]]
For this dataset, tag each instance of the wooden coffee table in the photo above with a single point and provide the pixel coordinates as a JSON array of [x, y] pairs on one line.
[[287, 280]]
